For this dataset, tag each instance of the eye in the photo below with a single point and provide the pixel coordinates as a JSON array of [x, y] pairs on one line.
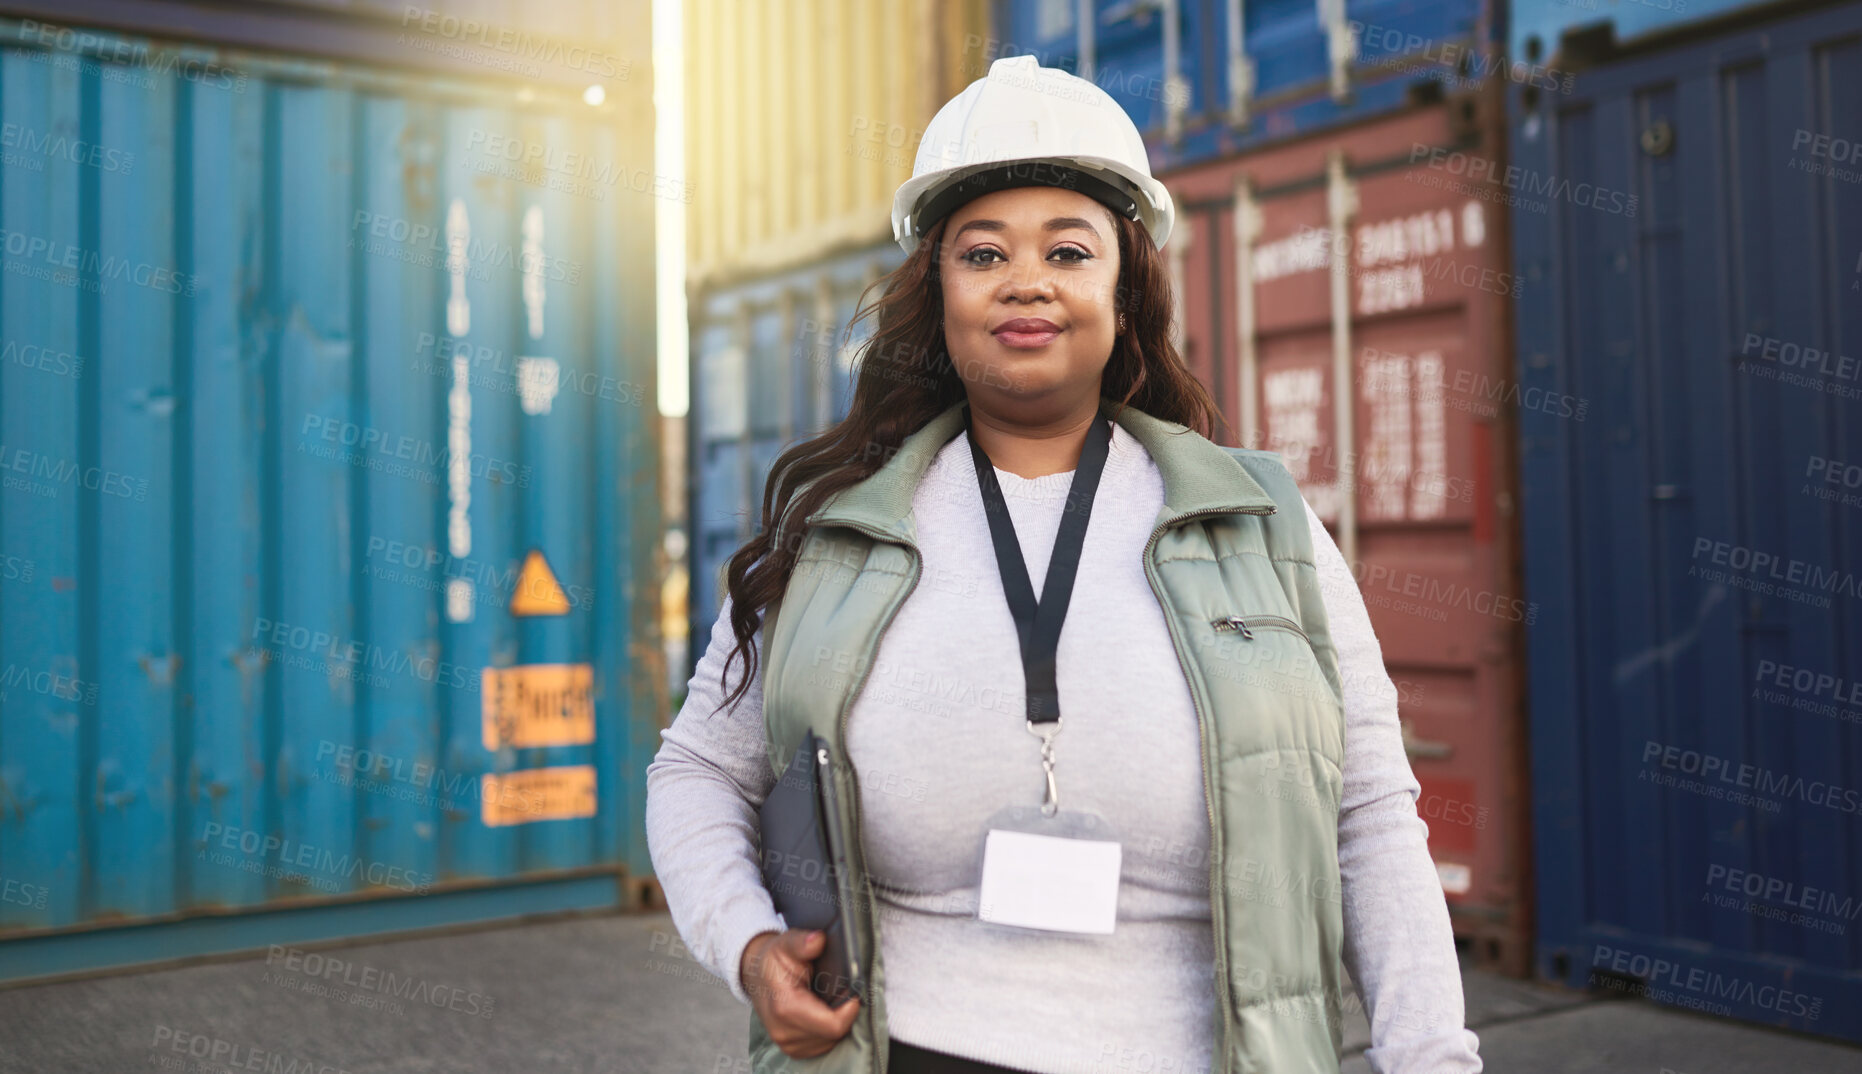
[[985, 255]]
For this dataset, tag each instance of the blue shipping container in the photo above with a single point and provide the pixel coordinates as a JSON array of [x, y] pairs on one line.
[[564, 43], [1689, 231], [1537, 29], [300, 372], [769, 369], [1205, 79]]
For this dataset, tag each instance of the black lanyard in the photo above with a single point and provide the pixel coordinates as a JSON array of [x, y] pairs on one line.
[[1038, 626]]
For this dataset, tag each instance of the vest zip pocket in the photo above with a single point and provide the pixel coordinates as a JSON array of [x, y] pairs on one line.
[[1247, 624]]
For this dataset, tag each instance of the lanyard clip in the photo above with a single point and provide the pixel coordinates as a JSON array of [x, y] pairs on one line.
[[1046, 731]]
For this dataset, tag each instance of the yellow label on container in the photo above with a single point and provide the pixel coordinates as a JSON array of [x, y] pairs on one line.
[[538, 592], [538, 705], [534, 794]]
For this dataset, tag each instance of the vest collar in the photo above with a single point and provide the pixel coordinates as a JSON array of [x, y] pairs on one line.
[[1200, 477]]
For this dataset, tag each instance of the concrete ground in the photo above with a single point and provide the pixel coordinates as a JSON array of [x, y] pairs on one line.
[[619, 994]]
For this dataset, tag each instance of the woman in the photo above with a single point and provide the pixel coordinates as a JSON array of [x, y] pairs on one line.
[[1020, 526]]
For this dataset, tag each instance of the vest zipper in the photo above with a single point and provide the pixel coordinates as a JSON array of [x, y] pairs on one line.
[[853, 805], [1217, 913], [1247, 624]]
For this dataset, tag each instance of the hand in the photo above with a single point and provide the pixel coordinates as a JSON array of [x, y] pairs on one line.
[[775, 972]]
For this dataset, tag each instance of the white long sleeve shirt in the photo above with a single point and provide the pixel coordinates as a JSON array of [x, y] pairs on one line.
[[938, 737]]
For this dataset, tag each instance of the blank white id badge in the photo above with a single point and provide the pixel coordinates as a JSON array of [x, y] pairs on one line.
[[1056, 874]]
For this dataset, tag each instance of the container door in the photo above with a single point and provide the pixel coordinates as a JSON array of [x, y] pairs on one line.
[[1353, 308], [1693, 233]]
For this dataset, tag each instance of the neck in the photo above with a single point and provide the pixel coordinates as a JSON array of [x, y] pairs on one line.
[[1034, 448]]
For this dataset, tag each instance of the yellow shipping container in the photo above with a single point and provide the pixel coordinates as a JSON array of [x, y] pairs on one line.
[[802, 117]]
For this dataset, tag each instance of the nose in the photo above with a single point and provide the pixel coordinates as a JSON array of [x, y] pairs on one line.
[[1029, 279]]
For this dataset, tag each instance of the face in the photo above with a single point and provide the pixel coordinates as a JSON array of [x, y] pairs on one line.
[[1029, 275]]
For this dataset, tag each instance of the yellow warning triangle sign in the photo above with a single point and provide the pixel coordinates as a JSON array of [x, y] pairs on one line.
[[538, 592]]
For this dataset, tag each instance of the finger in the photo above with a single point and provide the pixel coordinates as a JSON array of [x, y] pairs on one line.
[[790, 971], [803, 944], [846, 1013], [795, 958], [781, 973], [806, 1013]]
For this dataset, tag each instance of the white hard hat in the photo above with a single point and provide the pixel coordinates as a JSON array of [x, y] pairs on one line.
[[1026, 125]]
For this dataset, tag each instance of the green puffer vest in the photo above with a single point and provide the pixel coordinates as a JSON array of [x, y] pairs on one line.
[[1231, 540]]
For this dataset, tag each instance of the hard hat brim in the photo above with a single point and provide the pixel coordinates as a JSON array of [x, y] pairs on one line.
[[1156, 210]]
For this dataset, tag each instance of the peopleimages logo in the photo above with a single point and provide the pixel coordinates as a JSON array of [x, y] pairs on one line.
[[1774, 889], [17, 569], [1437, 594], [359, 976], [47, 683], [117, 57], [1796, 356], [1751, 777], [53, 360], [429, 246], [1660, 973], [425, 562], [1120, 82], [1479, 169], [1405, 49], [1760, 572], [20, 893], [1801, 690], [514, 42], [69, 265], [1815, 683], [41, 474], [428, 458], [331, 654], [270, 855], [1835, 150], [495, 369], [225, 1054], [58, 147], [411, 780]]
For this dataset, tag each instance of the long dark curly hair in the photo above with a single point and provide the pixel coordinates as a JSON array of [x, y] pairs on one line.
[[905, 378]]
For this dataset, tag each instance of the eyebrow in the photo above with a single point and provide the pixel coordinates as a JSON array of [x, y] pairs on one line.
[[1058, 223]]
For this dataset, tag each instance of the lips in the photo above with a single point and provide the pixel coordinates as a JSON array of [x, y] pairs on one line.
[[1024, 332]]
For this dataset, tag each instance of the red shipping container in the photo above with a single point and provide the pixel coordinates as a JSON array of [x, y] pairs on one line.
[[1365, 256]]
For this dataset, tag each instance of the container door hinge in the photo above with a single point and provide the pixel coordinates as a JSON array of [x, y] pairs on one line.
[[1085, 20], [1341, 45], [1424, 748], [1240, 67], [1176, 87]]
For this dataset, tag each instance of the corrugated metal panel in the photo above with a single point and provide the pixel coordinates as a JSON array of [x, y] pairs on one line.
[[296, 376], [768, 370], [1206, 79], [1692, 245], [803, 118], [568, 43], [1408, 309]]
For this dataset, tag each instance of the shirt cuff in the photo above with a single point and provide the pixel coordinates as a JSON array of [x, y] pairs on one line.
[[739, 925], [1454, 1051]]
